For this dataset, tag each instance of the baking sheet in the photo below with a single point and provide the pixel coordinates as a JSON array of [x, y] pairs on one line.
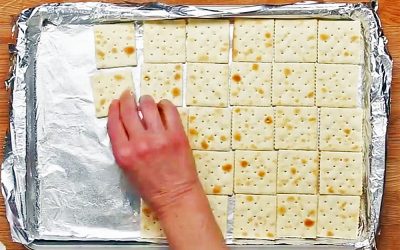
[[61, 152]]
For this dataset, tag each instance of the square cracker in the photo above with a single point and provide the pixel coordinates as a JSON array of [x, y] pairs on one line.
[[162, 81], [183, 113], [338, 216], [207, 40], [340, 42], [150, 226], [219, 207], [297, 172], [341, 129], [296, 40], [337, 85], [115, 45], [107, 86], [341, 173], [164, 41], [207, 84], [209, 128], [255, 172], [250, 84], [253, 128], [293, 84], [296, 128], [215, 170], [254, 217], [297, 215], [253, 40]]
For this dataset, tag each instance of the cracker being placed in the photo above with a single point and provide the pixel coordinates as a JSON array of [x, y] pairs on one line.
[[296, 40], [341, 129], [162, 81], [215, 170], [207, 40], [115, 45], [219, 208], [337, 85], [253, 128], [107, 86], [338, 216], [209, 128], [164, 41], [253, 40], [296, 128], [250, 84], [255, 172], [150, 226], [297, 215], [341, 173], [207, 84], [183, 113], [293, 84], [254, 217], [340, 42], [297, 172]]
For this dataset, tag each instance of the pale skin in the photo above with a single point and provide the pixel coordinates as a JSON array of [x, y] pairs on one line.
[[155, 155]]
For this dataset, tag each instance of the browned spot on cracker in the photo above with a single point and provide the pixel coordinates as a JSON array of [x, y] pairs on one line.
[[114, 50], [324, 90], [102, 101], [354, 38], [311, 213], [223, 138], [268, 120], [268, 45], [260, 91], [308, 222], [331, 190], [129, 50], [146, 78], [235, 52], [287, 72], [347, 131], [177, 76], [100, 54], [255, 66], [304, 161], [310, 94], [270, 235], [237, 136], [291, 198], [236, 78], [146, 211], [192, 118], [329, 233], [204, 58], [282, 210], [324, 37], [178, 67], [261, 173], [249, 198], [312, 119], [293, 170], [267, 35], [204, 145], [227, 167], [193, 131], [244, 164], [217, 189], [343, 205], [176, 92], [310, 37], [258, 58], [296, 111], [118, 77], [346, 53], [237, 110]]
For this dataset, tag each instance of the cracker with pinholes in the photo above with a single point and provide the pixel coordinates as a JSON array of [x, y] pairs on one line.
[[337, 85], [183, 113], [255, 172], [296, 40], [254, 217], [215, 170], [338, 216], [107, 86], [253, 40], [296, 128], [341, 129], [253, 128], [150, 226], [340, 42], [293, 84], [115, 45], [207, 84], [162, 81], [207, 40], [297, 172], [341, 173], [164, 41], [297, 215], [219, 208], [209, 128], [250, 84]]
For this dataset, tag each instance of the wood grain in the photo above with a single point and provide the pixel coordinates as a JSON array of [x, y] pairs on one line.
[[389, 13]]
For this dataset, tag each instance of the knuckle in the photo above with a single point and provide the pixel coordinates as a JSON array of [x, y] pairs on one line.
[[122, 156], [143, 150]]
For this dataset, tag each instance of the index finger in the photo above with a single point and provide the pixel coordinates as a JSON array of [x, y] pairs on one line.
[[170, 116]]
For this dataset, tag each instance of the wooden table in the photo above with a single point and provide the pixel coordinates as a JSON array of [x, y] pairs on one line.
[[389, 13]]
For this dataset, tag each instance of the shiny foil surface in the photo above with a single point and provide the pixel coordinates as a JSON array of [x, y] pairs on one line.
[[59, 178]]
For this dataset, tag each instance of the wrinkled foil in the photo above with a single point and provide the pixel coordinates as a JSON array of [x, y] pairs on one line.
[[59, 178]]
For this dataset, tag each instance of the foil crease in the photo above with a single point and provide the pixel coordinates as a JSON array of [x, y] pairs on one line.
[[58, 177]]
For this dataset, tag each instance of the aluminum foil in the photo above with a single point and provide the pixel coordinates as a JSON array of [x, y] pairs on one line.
[[58, 177]]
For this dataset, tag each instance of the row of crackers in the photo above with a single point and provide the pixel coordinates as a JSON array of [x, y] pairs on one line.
[[208, 40], [272, 217]]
